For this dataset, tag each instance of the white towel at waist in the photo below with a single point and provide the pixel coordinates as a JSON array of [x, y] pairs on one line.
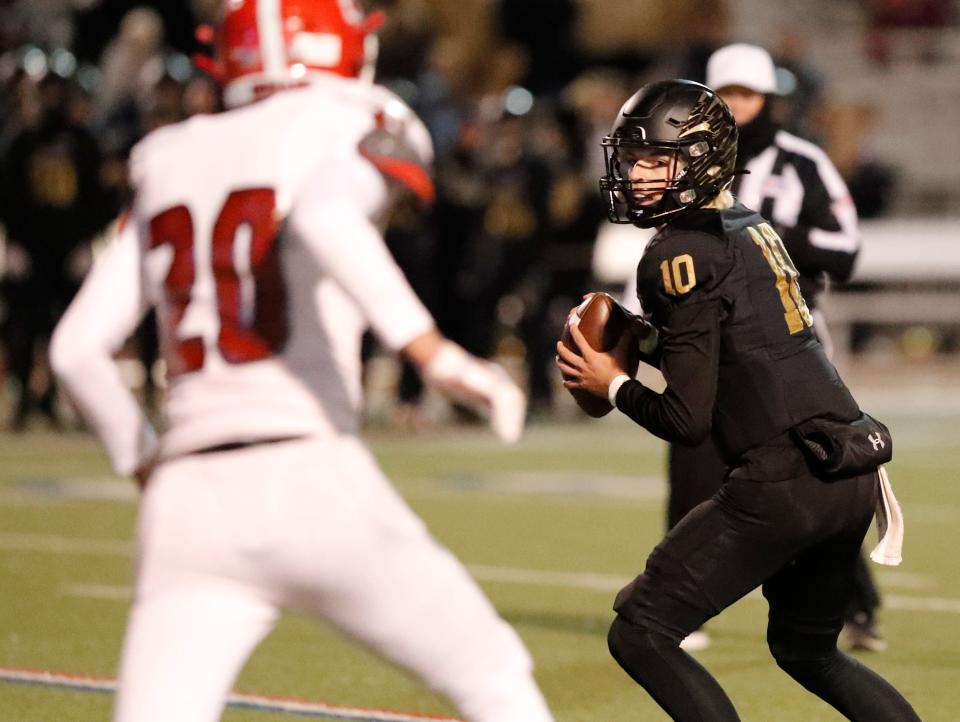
[[889, 549]]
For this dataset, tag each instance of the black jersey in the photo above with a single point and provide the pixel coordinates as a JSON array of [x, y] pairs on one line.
[[737, 346]]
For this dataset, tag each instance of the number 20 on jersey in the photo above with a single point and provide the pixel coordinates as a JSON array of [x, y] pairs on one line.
[[250, 295]]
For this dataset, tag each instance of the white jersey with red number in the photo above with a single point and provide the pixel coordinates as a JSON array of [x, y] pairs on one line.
[[254, 234]]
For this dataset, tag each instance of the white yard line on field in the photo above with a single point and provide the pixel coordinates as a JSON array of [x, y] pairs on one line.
[[613, 583], [532, 577], [921, 604], [587, 581], [50, 544], [109, 592]]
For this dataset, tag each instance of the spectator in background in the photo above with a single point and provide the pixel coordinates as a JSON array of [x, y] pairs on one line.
[[406, 40], [506, 235], [53, 204], [885, 16], [461, 198], [799, 87], [163, 106], [47, 23], [200, 96], [132, 65], [596, 96], [411, 239], [544, 30], [560, 272], [21, 107]]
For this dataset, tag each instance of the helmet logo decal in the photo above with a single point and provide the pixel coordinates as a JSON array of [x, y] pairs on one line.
[[703, 127]]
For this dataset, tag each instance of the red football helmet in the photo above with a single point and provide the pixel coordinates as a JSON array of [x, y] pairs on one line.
[[264, 45]]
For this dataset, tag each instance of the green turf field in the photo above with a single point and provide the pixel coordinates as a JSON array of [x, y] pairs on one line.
[[551, 528]]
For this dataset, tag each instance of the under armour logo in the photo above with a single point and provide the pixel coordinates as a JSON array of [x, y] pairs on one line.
[[876, 440]]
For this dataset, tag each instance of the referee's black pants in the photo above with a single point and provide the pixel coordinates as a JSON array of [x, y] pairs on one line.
[[774, 524]]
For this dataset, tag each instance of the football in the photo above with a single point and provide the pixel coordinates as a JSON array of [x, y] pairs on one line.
[[602, 321]]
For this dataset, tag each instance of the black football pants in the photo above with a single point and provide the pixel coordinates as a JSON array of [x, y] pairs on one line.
[[696, 472], [795, 535]]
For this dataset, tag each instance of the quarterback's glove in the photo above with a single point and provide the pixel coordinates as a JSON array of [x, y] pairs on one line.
[[476, 382]]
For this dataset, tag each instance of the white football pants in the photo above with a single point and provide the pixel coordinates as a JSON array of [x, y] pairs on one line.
[[228, 539]]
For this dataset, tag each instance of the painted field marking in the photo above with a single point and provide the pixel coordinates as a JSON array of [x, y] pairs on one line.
[[532, 577], [50, 544], [109, 592], [263, 703], [602, 583], [921, 604], [613, 583]]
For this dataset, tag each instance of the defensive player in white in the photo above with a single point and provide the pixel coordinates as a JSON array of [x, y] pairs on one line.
[[254, 233]]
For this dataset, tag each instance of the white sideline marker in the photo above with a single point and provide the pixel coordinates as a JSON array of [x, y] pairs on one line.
[[301, 708]]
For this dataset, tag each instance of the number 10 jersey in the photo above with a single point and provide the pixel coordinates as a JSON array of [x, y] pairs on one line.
[[736, 333]]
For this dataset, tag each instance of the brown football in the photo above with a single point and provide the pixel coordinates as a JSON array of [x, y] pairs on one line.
[[602, 321]]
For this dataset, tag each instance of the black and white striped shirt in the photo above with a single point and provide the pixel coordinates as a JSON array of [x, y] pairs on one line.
[[793, 184]]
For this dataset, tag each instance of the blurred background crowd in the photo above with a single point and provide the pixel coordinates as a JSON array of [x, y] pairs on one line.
[[516, 94]]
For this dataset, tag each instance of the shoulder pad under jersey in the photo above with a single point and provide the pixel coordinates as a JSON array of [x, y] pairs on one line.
[[399, 146]]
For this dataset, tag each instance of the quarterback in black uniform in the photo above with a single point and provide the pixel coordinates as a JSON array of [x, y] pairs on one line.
[[742, 363], [797, 189]]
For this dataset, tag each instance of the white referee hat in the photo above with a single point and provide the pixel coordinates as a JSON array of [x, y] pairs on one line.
[[741, 64]]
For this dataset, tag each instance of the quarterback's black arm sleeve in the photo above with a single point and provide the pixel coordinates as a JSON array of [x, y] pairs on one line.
[[690, 348]]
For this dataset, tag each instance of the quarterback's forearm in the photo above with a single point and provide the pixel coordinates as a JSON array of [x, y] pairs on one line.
[[683, 413], [663, 416]]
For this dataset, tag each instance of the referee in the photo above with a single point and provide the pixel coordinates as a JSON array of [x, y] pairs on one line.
[[792, 183]]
